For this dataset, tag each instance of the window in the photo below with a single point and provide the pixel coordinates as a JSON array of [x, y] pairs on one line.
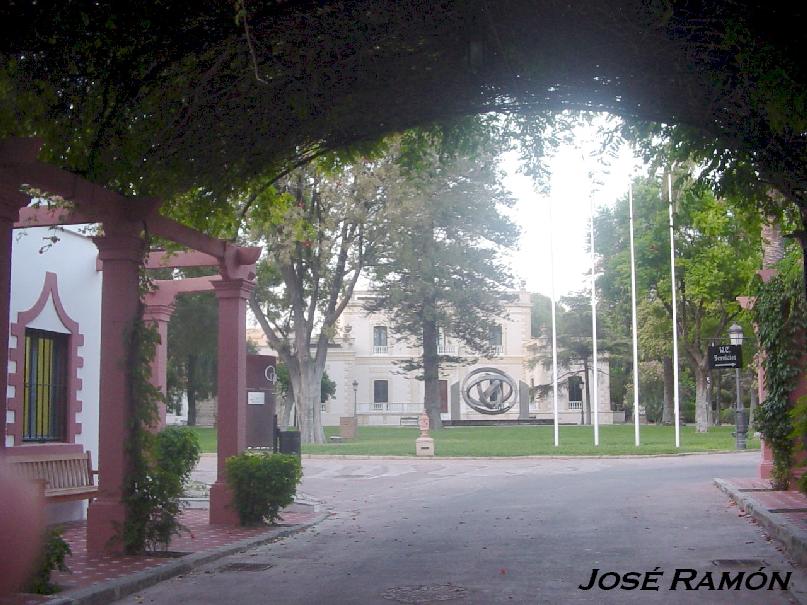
[[379, 339], [44, 404], [380, 393], [575, 386], [495, 339], [443, 345]]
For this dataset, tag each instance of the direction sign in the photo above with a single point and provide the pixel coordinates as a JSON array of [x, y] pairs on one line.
[[725, 356]]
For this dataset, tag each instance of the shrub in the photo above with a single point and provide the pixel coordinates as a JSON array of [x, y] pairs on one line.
[[54, 551], [172, 456], [262, 484]]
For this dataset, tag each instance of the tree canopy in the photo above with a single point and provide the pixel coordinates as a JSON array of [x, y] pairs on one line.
[[162, 97]]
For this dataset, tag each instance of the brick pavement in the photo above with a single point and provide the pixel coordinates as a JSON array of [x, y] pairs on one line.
[[87, 570], [783, 514]]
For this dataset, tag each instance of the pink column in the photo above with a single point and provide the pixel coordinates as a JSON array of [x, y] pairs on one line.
[[232, 296], [9, 213], [121, 252], [159, 314]]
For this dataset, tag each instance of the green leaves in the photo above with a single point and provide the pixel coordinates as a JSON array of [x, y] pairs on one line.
[[262, 484], [780, 314]]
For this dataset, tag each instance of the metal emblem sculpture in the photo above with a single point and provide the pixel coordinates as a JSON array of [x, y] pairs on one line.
[[489, 391]]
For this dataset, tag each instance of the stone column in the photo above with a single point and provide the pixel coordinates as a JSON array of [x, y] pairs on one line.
[[231, 422], [159, 314], [9, 213], [121, 252]]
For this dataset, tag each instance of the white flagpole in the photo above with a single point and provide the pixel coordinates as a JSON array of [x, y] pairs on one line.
[[554, 331], [635, 331], [674, 317], [594, 332]]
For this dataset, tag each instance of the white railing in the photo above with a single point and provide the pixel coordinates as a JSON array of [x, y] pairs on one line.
[[389, 408], [380, 349], [575, 405], [447, 349], [498, 350]]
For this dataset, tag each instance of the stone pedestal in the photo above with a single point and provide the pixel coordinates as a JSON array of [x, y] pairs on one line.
[[347, 427], [424, 446]]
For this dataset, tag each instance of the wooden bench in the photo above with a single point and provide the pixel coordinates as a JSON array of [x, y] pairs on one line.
[[63, 477], [409, 420]]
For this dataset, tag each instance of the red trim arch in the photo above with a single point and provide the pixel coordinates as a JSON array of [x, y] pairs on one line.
[[50, 290]]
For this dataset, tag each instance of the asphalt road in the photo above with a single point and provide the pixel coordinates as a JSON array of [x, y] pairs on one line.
[[503, 531]]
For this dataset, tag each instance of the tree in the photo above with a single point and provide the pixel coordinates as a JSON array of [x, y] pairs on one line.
[[540, 315], [717, 253], [316, 231], [439, 269], [192, 350], [327, 390], [575, 345]]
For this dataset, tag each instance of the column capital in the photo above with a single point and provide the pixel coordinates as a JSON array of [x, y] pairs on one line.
[[158, 312], [120, 247], [233, 288]]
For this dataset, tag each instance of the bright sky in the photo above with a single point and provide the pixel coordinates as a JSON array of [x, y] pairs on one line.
[[571, 192]]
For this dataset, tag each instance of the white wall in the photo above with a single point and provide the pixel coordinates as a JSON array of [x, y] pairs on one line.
[[73, 259]]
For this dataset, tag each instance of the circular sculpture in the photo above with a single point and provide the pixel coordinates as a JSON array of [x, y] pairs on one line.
[[489, 391]]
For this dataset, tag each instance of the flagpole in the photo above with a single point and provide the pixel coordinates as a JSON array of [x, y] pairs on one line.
[[594, 331], [674, 317], [633, 316], [554, 331]]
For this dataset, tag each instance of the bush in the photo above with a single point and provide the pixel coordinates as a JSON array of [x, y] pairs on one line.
[[262, 484], [54, 551], [172, 456], [727, 416]]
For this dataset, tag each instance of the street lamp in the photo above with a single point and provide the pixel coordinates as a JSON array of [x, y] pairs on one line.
[[736, 338], [355, 391]]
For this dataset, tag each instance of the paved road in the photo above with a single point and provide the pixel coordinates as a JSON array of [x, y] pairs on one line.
[[500, 531]]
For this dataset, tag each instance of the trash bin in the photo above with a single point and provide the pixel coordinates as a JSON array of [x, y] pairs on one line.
[[289, 442]]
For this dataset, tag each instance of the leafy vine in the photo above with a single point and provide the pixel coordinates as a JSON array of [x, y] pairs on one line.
[[158, 463], [780, 313]]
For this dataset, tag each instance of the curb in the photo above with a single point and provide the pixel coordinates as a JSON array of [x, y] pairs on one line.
[[526, 457], [792, 537], [103, 593]]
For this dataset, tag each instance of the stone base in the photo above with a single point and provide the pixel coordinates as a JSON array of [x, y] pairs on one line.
[[347, 427], [221, 505], [103, 519], [424, 446]]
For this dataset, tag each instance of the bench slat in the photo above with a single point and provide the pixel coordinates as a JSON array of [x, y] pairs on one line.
[[66, 476]]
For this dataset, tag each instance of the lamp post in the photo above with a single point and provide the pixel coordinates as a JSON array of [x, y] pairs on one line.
[[355, 391], [736, 337]]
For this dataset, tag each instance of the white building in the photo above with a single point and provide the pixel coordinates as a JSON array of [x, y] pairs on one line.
[[364, 361], [54, 347]]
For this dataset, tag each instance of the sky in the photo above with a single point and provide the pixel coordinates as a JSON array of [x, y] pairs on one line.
[[579, 177]]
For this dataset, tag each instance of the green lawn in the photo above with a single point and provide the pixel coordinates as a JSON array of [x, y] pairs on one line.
[[518, 441], [207, 438]]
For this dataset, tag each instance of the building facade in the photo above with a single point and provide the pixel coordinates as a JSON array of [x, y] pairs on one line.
[[54, 348], [365, 363]]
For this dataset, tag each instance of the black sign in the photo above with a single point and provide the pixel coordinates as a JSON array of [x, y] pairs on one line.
[[725, 356]]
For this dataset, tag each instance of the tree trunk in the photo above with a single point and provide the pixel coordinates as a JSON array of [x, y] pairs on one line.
[[701, 400], [190, 388], [307, 397], [668, 409], [431, 372]]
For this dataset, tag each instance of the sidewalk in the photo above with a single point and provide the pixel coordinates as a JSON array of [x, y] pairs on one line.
[[783, 514], [99, 579]]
